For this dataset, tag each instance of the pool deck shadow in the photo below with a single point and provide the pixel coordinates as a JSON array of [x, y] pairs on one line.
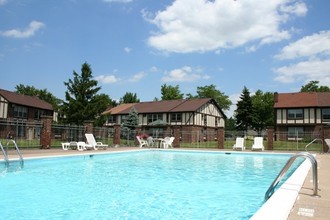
[[306, 205]]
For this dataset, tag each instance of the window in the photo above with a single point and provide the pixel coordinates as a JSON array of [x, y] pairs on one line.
[[176, 117], [112, 119], [295, 133], [326, 114], [20, 112], [38, 114], [295, 114], [123, 118], [154, 117]]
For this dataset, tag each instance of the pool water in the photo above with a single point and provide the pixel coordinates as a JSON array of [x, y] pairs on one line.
[[140, 185]]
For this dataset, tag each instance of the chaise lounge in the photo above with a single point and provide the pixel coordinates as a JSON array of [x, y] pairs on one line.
[[258, 143], [96, 145], [240, 144]]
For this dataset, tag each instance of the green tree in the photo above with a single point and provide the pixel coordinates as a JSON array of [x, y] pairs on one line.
[[43, 94], [230, 124], [244, 112], [313, 86], [171, 92], [129, 97], [132, 120], [263, 108], [211, 92], [82, 101]]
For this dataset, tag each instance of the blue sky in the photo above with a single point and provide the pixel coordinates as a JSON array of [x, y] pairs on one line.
[[138, 45]]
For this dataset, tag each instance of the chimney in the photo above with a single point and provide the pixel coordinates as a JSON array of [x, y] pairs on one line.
[[275, 97]]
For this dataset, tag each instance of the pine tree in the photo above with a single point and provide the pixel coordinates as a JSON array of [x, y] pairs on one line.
[[244, 112], [82, 101], [132, 120]]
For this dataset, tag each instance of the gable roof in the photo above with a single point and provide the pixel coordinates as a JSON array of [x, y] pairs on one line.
[[119, 108], [25, 100], [302, 99], [180, 105]]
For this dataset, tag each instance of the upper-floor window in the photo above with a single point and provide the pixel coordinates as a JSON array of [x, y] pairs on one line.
[[154, 117], [123, 118], [295, 114], [20, 112], [326, 114], [112, 119], [204, 119], [176, 117], [38, 114]]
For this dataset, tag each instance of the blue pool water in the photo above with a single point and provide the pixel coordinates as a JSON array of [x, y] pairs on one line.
[[139, 185]]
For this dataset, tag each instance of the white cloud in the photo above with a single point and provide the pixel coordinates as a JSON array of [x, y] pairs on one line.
[[184, 74], [200, 25], [2, 2], [137, 77], [297, 8], [310, 60], [316, 44], [234, 98], [127, 49], [305, 71], [106, 79], [154, 69], [33, 27]]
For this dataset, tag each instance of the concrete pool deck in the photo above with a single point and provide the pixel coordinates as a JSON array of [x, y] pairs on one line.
[[305, 207]]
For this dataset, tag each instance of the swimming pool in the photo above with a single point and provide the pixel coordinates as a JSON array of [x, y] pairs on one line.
[[140, 185]]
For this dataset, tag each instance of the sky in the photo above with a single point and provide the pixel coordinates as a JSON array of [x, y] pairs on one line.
[[139, 45]]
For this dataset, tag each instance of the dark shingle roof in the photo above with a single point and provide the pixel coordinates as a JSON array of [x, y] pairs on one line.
[[25, 100], [181, 105], [302, 99]]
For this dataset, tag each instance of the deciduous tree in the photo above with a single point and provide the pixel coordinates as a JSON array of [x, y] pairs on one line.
[[313, 86], [263, 107], [171, 92], [211, 91], [129, 97]]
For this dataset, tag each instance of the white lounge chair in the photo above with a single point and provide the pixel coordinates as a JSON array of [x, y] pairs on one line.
[[167, 142], [258, 143], [96, 145], [150, 141], [81, 146], [69, 145], [141, 142], [65, 146], [239, 144], [327, 141]]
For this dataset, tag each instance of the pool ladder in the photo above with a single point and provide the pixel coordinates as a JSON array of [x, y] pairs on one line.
[[6, 156], [307, 155]]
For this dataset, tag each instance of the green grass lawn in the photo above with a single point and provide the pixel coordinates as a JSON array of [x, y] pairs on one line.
[[278, 145]]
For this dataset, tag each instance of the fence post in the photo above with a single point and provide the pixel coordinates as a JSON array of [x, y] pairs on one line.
[[221, 138], [176, 131], [325, 134], [46, 132], [88, 128], [270, 138], [116, 138]]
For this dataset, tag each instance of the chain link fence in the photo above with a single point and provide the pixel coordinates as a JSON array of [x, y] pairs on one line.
[[27, 136]]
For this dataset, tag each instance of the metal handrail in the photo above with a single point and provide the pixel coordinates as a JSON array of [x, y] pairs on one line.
[[18, 151], [313, 161], [4, 155], [316, 139]]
